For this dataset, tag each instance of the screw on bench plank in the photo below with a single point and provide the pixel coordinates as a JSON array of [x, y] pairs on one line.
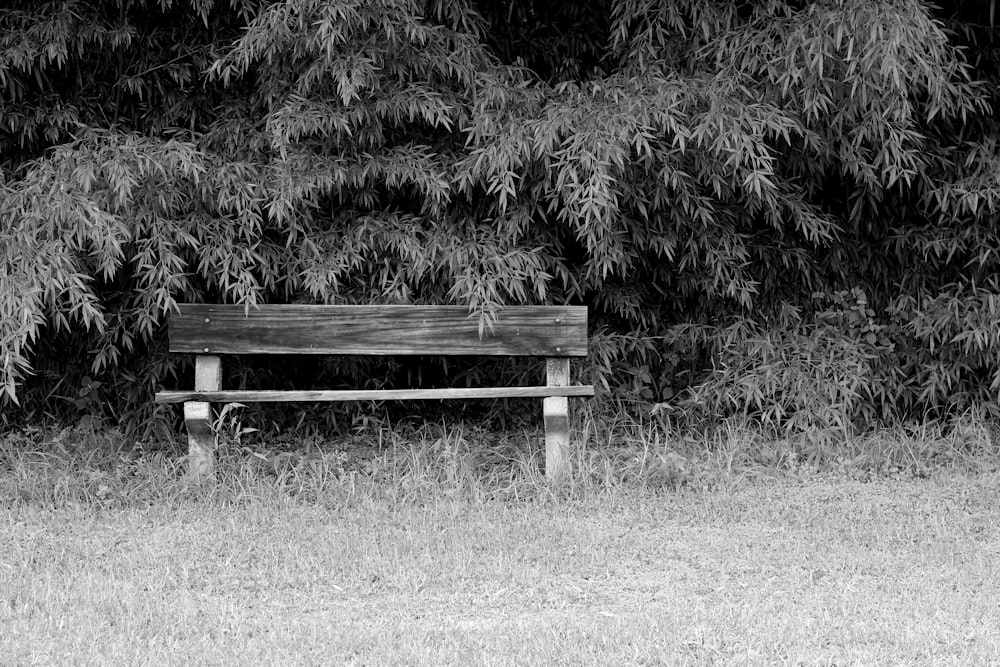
[[558, 349], [207, 320], [206, 349], [558, 320]]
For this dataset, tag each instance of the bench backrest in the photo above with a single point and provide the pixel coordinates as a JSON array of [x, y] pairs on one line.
[[543, 331]]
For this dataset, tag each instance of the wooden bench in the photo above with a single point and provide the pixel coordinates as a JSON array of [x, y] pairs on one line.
[[554, 332]]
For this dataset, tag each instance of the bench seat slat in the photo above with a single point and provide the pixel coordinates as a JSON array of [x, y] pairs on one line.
[[265, 396], [543, 331]]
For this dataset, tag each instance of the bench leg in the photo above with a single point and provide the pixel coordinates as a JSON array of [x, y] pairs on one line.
[[556, 412], [201, 442], [198, 419]]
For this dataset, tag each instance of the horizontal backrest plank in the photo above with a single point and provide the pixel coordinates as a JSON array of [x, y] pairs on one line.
[[547, 331], [268, 396]]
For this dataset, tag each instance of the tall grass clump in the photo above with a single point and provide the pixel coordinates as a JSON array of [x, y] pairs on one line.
[[406, 464]]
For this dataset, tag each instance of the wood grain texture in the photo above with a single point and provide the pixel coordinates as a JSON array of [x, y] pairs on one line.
[[207, 373], [555, 410], [264, 396], [198, 420], [201, 441], [545, 331]]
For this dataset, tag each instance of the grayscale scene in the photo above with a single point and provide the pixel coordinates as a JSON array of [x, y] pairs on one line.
[[500, 332]]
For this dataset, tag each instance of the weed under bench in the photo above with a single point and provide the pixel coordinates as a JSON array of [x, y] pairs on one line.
[[208, 331]]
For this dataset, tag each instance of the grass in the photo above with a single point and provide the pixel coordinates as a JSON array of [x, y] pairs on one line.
[[445, 547]]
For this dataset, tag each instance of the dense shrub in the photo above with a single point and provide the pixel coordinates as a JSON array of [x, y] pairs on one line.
[[693, 171]]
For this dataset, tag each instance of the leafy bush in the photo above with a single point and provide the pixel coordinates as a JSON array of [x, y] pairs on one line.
[[949, 357], [689, 171], [793, 379]]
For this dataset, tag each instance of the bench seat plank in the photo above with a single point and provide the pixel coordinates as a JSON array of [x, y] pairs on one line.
[[543, 331], [266, 396]]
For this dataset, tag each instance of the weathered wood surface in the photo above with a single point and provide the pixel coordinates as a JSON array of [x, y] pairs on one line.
[[266, 396], [555, 410], [544, 331], [198, 419]]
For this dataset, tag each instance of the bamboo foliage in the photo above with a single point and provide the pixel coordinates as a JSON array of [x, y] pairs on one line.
[[694, 162]]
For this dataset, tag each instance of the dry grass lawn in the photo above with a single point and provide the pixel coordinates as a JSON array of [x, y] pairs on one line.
[[798, 569]]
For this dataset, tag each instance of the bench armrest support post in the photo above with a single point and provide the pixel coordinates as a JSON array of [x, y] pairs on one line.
[[198, 419], [555, 410]]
